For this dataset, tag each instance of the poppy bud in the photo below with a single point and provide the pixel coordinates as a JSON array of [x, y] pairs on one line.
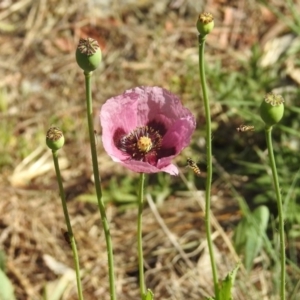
[[271, 109], [205, 23], [88, 54], [55, 138]]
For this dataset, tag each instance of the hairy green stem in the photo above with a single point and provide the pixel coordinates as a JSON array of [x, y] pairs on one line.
[[98, 186], [268, 131], [201, 40], [139, 235], [68, 223]]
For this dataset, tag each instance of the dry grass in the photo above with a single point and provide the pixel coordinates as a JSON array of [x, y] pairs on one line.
[[143, 44]]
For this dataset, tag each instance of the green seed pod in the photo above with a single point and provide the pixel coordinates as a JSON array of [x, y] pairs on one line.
[[88, 54], [55, 138], [205, 23], [271, 109]]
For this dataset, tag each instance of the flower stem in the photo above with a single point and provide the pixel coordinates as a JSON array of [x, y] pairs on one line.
[[67, 219], [268, 131], [201, 40], [139, 235], [101, 206]]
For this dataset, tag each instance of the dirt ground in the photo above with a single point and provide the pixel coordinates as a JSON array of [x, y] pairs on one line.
[[143, 43]]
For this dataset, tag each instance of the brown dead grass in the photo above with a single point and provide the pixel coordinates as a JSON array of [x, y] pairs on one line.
[[143, 44], [177, 265]]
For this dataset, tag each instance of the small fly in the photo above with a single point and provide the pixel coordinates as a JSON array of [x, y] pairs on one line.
[[66, 236], [244, 128], [193, 166]]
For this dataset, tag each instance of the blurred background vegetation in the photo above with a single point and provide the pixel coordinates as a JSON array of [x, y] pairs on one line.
[[254, 49]]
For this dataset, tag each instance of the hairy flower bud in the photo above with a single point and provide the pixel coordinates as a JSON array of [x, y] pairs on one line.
[[88, 54], [205, 23], [55, 138], [271, 109]]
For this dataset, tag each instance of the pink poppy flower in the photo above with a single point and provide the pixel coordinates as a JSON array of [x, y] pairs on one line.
[[145, 128]]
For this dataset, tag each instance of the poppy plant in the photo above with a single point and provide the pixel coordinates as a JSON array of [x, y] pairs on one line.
[[145, 128]]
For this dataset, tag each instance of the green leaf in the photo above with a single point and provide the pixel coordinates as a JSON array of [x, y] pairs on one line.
[[227, 284], [2, 261], [247, 238], [7, 290], [149, 295]]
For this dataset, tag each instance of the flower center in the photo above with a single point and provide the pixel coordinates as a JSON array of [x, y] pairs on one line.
[[144, 144]]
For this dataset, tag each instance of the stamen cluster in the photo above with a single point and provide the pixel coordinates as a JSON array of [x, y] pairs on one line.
[[140, 143]]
